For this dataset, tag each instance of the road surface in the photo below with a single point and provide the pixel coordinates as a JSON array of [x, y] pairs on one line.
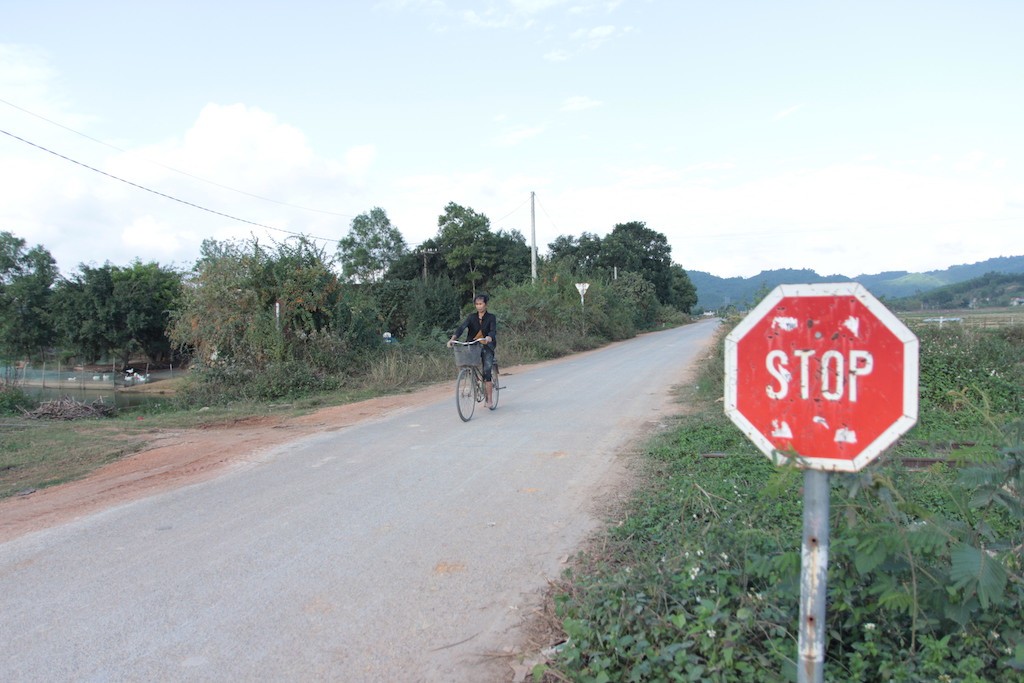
[[407, 547]]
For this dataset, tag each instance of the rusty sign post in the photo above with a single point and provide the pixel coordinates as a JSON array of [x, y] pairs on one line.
[[824, 376]]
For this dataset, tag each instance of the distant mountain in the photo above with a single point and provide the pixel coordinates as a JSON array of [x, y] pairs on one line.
[[989, 290], [717, 292]]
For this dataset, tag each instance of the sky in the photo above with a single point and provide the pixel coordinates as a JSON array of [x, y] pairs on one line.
[[846, 138]]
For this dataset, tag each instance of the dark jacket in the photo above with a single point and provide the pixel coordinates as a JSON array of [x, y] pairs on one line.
[[478, 329]]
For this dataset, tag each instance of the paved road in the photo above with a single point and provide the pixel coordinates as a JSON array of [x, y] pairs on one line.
[[405, 548]]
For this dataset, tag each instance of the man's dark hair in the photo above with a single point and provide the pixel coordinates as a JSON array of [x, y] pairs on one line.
[[481, 297]]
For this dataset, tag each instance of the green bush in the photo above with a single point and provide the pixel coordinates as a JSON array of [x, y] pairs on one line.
[[968, 378], [13, 399]]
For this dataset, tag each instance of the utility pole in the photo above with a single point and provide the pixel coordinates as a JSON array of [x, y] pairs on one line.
[[533, 239], [424, 252]]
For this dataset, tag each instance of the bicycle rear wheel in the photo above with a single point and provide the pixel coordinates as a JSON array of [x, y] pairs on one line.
[[494, 386], [465, 394]]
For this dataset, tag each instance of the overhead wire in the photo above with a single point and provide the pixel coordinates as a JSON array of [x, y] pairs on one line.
[[511, 212], [175, 170], [164, 194], [189, 175], [547, 214]]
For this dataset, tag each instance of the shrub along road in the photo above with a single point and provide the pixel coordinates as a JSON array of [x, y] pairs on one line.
[[406, 546]]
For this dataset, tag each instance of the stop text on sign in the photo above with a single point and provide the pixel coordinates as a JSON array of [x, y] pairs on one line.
[[832, 373], [822, 373]]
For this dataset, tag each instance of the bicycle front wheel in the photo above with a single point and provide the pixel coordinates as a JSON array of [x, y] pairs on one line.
[[495, 387], [465, 394]]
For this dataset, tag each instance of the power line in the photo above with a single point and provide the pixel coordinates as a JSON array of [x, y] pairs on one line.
[[175, 170], [548, 215], [162, 194], [512, 211]]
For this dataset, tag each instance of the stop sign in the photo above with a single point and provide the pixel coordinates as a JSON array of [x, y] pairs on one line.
[[822, 373]]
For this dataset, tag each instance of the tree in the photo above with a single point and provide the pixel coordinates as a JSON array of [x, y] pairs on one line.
[[117, 311], [629, 247], [639, 249], [372, 246], [463, 239], [421, 264], [638, 294], [144, 296], [26, 281], [683, 294], [246, 306], [581, 255], [512, 259], [218, 306]]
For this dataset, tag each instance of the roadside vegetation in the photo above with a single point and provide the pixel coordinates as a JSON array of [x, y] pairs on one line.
[[697, 578], [289, 327]]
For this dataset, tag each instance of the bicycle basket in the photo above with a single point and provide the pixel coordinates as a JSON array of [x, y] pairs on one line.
[[467, 355]]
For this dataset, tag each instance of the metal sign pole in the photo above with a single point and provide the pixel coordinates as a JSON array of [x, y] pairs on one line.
[[813, 577]]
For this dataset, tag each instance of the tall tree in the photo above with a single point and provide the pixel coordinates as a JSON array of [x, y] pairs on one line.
[[83, 312], [117, 311], [464, 241], [635, 247], [512, 262], [581, 255], [26, 281], [683, 292], [144, 296], [372, 245]]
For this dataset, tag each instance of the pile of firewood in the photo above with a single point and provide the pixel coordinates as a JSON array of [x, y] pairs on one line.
[[68, 408]]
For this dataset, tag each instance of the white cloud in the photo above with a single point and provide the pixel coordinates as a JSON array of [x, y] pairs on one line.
[[535, 6], [592, 37], [484, 191], [27, 87], [234, 160], [787, 112], [517, 134], [710, 166], [977, 161], [579, 103], [842, 219], [557, 56], [25, 74], [489, 19], [586, 39], [358, 161]]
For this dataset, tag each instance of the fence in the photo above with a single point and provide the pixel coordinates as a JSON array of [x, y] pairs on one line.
[[968, 318]]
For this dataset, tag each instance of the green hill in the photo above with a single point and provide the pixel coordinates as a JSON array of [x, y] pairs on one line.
[[991, 290], [715, 292]]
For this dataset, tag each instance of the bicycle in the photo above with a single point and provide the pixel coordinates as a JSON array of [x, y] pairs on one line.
[[469, 385]]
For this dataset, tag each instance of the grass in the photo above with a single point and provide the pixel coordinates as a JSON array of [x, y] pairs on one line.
[[35, 454], [27, 450]]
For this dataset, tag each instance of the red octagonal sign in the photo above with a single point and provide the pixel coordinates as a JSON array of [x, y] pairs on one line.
[[822, 373]]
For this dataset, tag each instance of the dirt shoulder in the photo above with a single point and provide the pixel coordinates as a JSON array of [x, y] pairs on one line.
[[180, 457]]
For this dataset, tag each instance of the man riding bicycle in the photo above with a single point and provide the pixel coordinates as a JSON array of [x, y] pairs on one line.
[[482, 326]]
